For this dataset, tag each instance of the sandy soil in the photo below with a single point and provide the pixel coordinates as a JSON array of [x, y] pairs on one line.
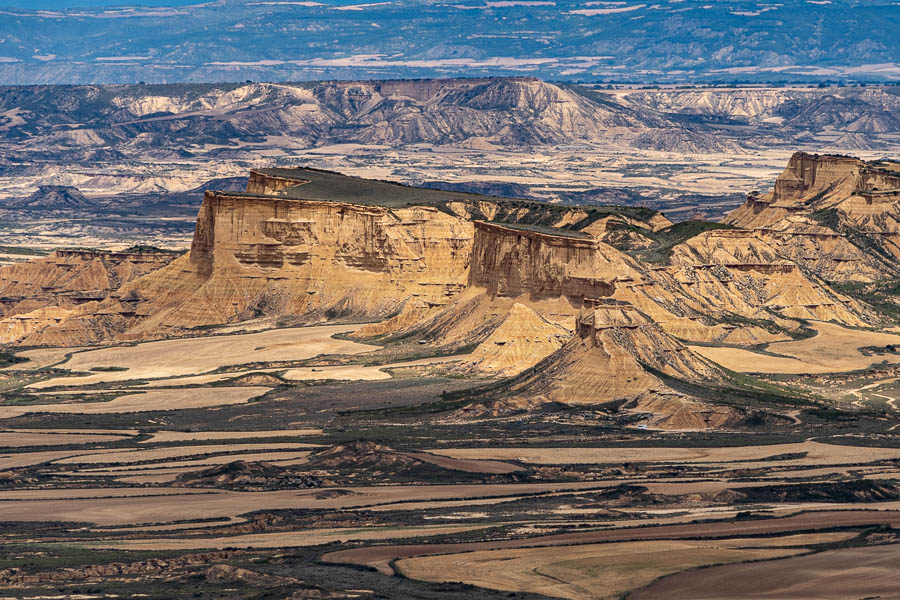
[[817, 454], [746, 361], [380, 556], [834, 349], [39, 358], [343, 373], [192, 356], [601, 571], [835, 575], [144, 401], [186, 436], [95, 494], [21, 439], [222, 503]]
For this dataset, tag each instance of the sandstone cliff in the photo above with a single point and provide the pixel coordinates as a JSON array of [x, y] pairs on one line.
[[447, 267], [549, 272], [254, 256], [314, 245], [837, 216], [724, 286], [69, 284]]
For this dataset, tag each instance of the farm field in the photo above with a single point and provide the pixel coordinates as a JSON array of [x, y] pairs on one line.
[[171, 358], [829, 575], [211, 462], [833, 349], [603, 571]]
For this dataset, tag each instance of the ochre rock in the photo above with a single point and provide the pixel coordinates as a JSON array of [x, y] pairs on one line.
[[520, 342], [253, 256], [64, 291], [837, 216]]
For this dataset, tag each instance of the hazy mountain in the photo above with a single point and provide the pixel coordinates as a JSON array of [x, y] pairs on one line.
[[234, 40], [56, 197], [88, 123]]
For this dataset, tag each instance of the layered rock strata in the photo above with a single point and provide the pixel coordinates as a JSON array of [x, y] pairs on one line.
[[837, 216], [70, 285]]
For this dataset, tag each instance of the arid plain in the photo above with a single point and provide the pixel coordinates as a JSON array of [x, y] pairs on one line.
[[348, 388]]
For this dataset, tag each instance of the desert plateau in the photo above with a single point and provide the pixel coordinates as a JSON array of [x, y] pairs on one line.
[[415, 300], [350, 387]]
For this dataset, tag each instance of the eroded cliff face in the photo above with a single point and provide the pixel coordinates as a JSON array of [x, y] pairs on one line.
[[317, 245], [549, 274], [723, 286], [255, 256], [837, 216], [522, 340], [508, 262], [607, 360], [40, 295]]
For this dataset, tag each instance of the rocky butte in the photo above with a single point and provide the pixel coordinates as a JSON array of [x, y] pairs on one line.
[[837, 216], [579, 304]]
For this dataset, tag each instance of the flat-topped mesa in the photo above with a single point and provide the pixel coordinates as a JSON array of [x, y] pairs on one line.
[[312, 244], [811, 182], [835, 215], [255, 255], [511, 261]]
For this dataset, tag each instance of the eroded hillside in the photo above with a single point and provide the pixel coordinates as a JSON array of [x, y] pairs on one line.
[[70, 285], [601, 300], [838, 217]]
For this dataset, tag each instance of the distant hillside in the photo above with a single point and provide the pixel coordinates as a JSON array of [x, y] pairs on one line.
[[52, 197], [150, 124], [563, 40]]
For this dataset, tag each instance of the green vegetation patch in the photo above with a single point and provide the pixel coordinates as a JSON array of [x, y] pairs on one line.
[[666, 239], [23, 250], [9, 358]]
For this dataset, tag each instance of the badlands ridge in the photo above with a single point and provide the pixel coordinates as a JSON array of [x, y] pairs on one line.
[[577, 304]]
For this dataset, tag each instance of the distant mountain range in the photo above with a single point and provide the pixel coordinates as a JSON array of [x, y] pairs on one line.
[[291, 40], [88, 125]]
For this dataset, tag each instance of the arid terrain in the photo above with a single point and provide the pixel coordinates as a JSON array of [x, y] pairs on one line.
[[351, 388], [114, 166]]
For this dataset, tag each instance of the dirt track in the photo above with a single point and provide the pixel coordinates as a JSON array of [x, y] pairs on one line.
[[835, 575], [380, 556]]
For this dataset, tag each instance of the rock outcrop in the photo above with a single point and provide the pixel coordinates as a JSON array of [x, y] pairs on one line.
[[520, 342], [837, 216], [255, 256], [612, 358], [607, 359], [67, 286]]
